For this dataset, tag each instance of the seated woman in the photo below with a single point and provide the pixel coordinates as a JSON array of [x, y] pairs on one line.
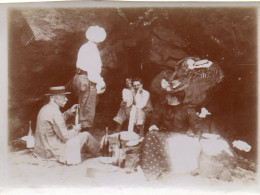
[[172, 118]]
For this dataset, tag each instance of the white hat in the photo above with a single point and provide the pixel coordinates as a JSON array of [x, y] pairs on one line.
[[96, 34], [57, 91]]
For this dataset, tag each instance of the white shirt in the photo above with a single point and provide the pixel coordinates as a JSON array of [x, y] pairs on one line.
[[127, 95], [141, 99], [89, 60]]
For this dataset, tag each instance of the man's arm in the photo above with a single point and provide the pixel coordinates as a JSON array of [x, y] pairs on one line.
[[70, 112], [60, 128], [67, 114], [141, 99]]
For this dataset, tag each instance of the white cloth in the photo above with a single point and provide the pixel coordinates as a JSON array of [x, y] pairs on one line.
[[132, 119], [184, 153], [73, 155], [241, 145]]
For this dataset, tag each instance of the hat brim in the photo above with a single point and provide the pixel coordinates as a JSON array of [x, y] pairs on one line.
[[65, 93]]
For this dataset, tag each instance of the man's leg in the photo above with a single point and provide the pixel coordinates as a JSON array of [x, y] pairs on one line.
[[87, 99], [88, 109], [140, 122], [118, 127], [141, 130], [120, 118], [93, 146]]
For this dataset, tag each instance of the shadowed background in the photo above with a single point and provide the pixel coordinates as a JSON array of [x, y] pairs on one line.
[[43, 44]]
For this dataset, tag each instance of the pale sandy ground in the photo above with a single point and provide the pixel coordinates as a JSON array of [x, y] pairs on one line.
[[32, 175]]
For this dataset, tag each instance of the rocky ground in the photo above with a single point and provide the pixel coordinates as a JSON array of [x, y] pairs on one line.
[[219, 173]]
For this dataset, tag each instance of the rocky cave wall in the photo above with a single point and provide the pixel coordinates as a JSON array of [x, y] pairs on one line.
[[43, 46]]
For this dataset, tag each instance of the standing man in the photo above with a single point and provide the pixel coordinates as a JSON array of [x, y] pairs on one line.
[[52, 134], [87, 82]]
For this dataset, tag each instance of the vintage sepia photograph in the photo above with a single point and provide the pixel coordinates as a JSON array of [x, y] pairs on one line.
[[128, 95]]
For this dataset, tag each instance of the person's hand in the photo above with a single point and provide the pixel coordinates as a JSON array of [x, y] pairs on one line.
[[77, 128], [204, 113], [100, 89], [124, 104], [140, 90], [74, 108], [153, 127]]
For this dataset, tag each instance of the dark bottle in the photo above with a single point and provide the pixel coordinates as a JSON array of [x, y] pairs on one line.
[[104, 148], [123, 159], [116, 153], [119, 140]]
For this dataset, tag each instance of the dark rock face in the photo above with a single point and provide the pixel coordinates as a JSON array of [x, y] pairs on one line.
[[165, 53], [43, 46]]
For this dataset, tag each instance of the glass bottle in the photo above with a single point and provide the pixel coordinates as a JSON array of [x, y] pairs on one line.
[[107, 142], [30, 138], [30, 129], [120, 156]]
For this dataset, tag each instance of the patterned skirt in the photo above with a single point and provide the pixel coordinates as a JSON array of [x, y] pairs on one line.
[[154, 156]]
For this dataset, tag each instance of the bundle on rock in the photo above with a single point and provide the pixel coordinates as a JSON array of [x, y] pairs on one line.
[[194, 76]]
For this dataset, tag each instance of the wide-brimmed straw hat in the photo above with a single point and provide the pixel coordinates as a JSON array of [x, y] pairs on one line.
[[96, 34], [58, 90]]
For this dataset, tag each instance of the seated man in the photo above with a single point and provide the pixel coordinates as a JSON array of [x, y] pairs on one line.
[[140, 108], [125, 106], [51, 131]]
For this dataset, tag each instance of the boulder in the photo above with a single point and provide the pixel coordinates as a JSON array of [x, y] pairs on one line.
[[170, 36], [163, 53]]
